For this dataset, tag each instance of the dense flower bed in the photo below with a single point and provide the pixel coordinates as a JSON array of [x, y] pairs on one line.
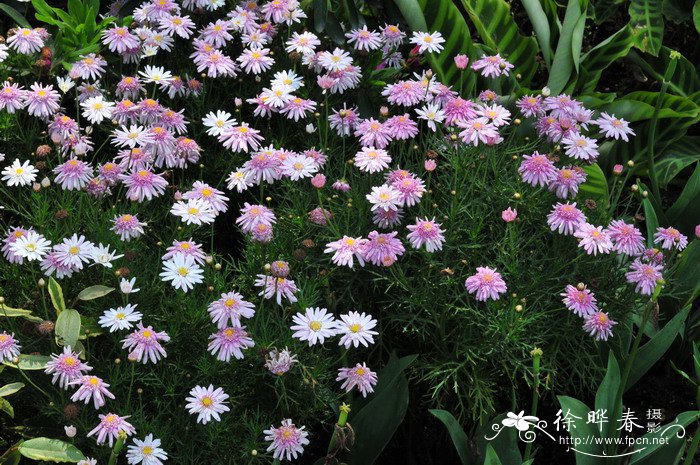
[[221, 227]]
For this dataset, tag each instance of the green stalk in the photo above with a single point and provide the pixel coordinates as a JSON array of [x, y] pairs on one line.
[[116, 449], [536, 358], [630, 359], [670, 69], [693, 448]]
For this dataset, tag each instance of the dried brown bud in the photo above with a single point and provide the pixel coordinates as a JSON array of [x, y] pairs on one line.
[[61, 214], [590, 204], [71, 411], [45, 327], [123, 272], [299, 254], [42, 151], [308, 243]]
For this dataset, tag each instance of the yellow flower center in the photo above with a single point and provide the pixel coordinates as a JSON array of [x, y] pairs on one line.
[[355, 328], [315, 326]]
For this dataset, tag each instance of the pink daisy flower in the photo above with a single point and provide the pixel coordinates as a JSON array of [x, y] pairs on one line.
[[530, 105], [143, 185], [372, 133], [41, 100], [613, 127], [73, 174], [277, 287], [10, 348], [401, 127], [593, 239], [486, 283], [477, 130], [91, 388], [579, 300], [188, 248], [207, 403], [254, 215], [111, 426], [26, 41], [426, 232], [345, 250], [670, 238], [565, 218], [231, 307], [599, 325], [360, 377], [231, 341], [66, 367], [256, 61], [119, 39], [287, 441], [11, 97], [144, 344], [492, 66], [127, 227], [626, 238], [581, 147], [537, 169], [567, 181], [241, 138], [363, 39], [644, 276], [382, 249]]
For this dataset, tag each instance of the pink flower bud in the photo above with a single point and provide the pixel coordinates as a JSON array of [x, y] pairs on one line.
[[617, 170], [461, 61], [697, 231], [318, 181], [509, 214], [430, 165]]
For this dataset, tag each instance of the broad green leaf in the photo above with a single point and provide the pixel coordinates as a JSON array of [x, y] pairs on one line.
[[32, 362], [497, 28], [9, 389], [491, 457], [56, 294], [607, 391], [459, 438], [647, 24], [696, 15], [582, 430], [506, 444], [540, 24], [678, 11], [68, 327], [320, 14], [678, 156], [601, 56], [94, 292], [563, 63], [11, 455], [15, 15], [687, 275], [354, 16], [444, 16], [604, 10], [596, 185], [676, 115], [684, 213], [50, 450], [334, 29], [577, 40], [376, 422], [666, 452], [656, 347], [413, 13], [6, 407], [18, 312], [651, 220], [684, 80]]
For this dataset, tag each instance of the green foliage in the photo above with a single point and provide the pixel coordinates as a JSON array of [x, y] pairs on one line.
[[50, 450], [647, 24], [377, 420], [78, 29], [496, 27]]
